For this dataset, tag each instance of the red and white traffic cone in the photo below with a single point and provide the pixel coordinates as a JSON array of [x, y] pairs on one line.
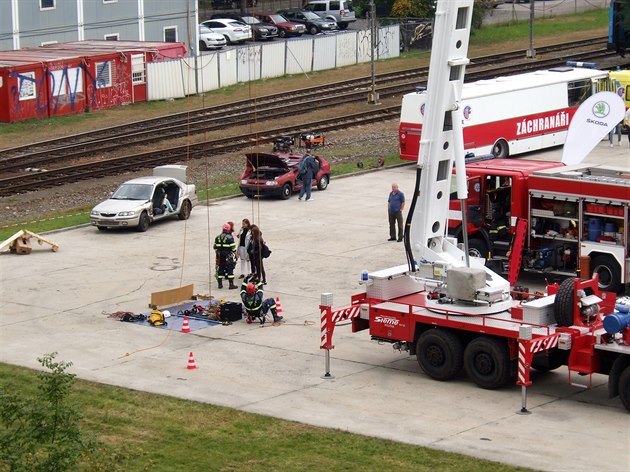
[[279, 309], [191, 362], [185, 326]]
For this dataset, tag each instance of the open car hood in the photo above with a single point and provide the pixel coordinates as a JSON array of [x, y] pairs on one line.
[[263, 159]]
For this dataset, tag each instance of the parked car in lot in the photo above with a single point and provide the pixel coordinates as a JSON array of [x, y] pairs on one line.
[[260, 29], [313, 23], [208, 39], [276, 175], [139, 202], [232, 30], [340, 11], [285, 27]]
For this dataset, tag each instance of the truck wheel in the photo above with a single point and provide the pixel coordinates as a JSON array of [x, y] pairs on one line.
[[487, 362], [563, 306], [624, 388], [144, 222], [477, 248], [608, 271], [439, 353], [501, 149], [184, 213]]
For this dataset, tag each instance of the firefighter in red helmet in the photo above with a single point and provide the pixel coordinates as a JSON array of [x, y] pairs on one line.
[[256, 306], [225, 247]]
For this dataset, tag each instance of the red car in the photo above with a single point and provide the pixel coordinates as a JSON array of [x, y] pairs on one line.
[[276, 175], [285, 27]]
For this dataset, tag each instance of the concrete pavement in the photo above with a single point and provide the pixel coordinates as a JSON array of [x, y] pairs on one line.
[[60, 301]]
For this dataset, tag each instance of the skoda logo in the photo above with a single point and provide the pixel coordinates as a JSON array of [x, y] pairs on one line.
[[601, 109], [422, 109]]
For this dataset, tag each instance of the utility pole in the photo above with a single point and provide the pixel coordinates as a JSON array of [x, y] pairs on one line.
[[373, 95], [531, 52]]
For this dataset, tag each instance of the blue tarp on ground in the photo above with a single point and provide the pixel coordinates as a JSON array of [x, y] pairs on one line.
[[176, 320]]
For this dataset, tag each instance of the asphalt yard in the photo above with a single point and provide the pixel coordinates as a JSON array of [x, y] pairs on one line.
[[60, 301]]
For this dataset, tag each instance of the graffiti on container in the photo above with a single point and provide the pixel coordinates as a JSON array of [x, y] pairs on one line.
[[67, 87]]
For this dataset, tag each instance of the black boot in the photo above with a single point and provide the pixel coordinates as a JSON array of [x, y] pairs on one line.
[[276, 316], [220, 283], [232, 286]]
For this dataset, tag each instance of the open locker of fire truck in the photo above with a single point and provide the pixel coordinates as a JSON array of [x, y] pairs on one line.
[[450, 310], [572, 219]]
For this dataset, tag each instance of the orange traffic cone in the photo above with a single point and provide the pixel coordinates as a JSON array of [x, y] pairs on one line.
[[185, 326], [279, 309], [191, 362]]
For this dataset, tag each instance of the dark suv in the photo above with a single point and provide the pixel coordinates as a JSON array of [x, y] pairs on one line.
[[314, 24], [261, 29]]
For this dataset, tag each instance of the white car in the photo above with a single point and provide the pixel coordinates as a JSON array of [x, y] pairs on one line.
[[140, 202], [233, 31], [208, 39]]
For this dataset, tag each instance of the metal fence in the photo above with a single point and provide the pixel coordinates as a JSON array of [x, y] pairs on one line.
[[210, 71]]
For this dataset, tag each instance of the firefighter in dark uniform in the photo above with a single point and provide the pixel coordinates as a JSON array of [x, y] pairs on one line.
[[225, 247], [256, 306]]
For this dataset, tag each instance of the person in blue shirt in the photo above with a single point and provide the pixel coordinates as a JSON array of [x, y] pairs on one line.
[[307, 172], [395, 207]]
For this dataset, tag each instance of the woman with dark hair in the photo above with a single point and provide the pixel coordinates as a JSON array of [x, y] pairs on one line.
[[244, 237], [255, 251]]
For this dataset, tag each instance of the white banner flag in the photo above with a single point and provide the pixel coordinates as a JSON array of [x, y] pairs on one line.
[[592, 121]]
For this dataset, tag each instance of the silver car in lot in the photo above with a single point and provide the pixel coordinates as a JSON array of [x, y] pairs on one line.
[[141, 201]]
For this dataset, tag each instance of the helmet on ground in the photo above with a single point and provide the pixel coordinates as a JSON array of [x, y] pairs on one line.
[[166, 313], [227, 227], [251, 288]]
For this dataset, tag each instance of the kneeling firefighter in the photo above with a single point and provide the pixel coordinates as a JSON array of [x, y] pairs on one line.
[[255, 306]]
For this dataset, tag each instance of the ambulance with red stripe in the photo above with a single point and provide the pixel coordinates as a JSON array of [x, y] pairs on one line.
[[509, 115]]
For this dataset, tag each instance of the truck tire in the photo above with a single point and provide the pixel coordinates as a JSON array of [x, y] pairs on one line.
[[477, 247], [487, 362], [440, 353], [563, 306], [624, 388], [608, 271], [501, 150]]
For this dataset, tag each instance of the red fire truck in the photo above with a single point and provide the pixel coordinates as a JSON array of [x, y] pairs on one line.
[[454, 313], [574, 215]]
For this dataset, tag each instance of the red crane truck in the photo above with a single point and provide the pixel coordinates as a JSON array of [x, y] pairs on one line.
[[449, 309]]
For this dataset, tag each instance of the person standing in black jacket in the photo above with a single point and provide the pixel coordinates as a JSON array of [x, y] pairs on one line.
[[255, 251]]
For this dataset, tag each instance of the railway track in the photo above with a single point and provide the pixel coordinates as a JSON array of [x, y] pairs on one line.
[[57, 154], [246, 111]]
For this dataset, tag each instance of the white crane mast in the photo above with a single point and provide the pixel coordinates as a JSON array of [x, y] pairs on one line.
[[442, 140]]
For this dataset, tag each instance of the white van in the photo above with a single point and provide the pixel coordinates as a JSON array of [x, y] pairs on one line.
[[340, 11]]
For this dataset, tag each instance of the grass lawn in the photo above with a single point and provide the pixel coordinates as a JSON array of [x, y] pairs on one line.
[[157, 433]]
